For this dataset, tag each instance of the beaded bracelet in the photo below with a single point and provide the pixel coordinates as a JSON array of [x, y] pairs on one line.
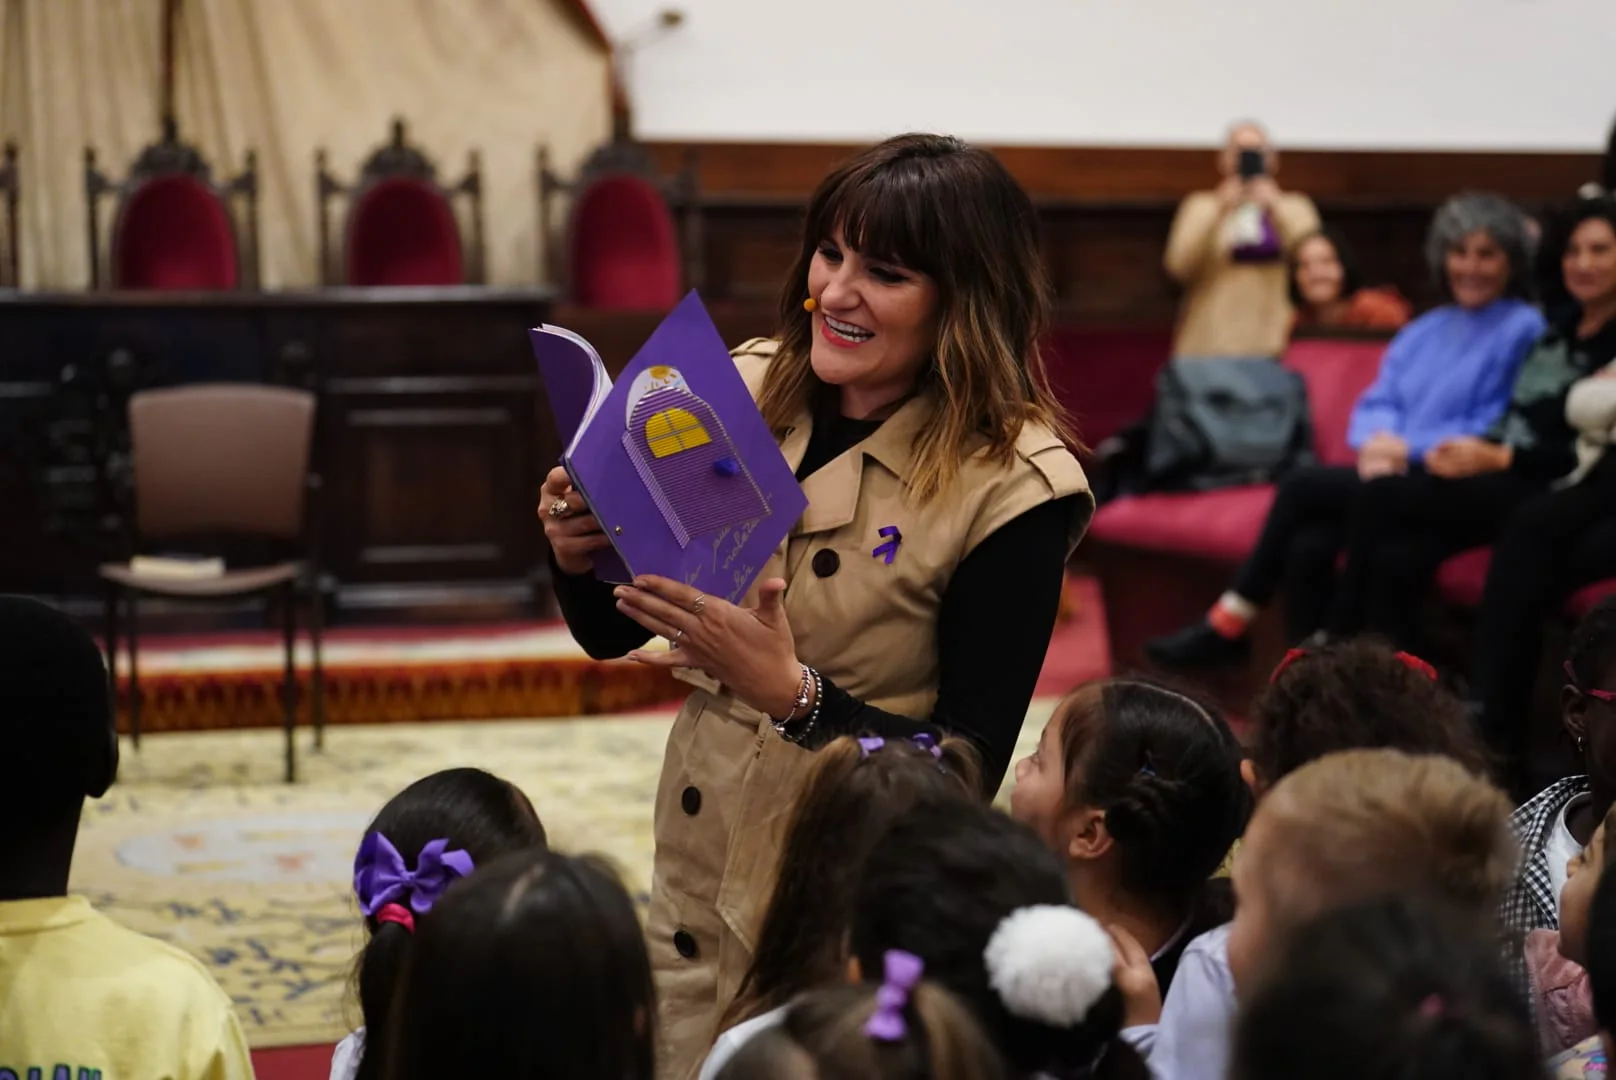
[[811, 684]]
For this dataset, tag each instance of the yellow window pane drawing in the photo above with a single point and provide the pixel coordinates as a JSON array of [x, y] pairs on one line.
[[673, 430]]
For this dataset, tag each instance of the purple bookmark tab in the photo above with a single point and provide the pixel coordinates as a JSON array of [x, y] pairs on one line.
[[889, 549]]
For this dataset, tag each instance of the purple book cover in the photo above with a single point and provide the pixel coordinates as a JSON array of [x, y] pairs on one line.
[[674, 459]]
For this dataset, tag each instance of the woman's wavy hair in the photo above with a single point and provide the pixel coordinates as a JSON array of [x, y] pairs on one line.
[[937, 206], [850, 797], [1498, 218]]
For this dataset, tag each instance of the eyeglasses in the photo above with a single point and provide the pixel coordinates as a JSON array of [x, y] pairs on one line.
[[1598, 695]]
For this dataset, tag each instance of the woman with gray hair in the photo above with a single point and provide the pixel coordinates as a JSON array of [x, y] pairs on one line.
[[1446, 375], [1469, 485]]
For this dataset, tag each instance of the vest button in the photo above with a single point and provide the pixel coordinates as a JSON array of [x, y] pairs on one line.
[[826, 562], [690, 801], [685, 943]]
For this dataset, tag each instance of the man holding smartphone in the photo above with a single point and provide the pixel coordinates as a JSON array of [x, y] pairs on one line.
[[1228, 248]]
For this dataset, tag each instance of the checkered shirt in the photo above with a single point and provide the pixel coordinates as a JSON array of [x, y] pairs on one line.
[[1530, 903]]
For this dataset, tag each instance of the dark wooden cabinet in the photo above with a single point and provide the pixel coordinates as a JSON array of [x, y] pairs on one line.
[[433, 433]]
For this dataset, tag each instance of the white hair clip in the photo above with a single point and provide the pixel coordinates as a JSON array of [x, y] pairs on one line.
[[1049, 963]]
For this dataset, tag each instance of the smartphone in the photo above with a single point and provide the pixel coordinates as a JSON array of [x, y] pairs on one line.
[[1253, 163]]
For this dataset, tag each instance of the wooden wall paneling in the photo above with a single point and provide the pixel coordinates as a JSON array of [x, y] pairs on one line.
[[1130, 173]]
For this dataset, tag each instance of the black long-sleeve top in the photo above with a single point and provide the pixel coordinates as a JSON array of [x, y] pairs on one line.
[[994, 624], [1543, 444]]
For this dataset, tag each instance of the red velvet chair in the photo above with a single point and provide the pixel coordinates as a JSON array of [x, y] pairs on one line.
[[1163, 559], [401, 227], [9, 189], [173, 228], [632, 239]]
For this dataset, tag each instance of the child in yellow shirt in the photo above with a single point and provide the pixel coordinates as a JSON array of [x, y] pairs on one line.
[[80, 996]]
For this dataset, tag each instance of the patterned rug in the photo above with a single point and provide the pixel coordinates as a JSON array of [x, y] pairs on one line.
[[201, 844], [205, 683]]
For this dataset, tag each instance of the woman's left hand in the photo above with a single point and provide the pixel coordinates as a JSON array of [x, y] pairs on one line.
[[1454, 459], [749, 650]]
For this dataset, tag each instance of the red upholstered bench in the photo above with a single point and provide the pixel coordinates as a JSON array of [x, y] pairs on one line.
[[1461, 579], [1163, 559]]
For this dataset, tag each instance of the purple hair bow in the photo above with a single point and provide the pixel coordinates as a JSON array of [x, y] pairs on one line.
[[381, 878], [903, 971], [869, 744]]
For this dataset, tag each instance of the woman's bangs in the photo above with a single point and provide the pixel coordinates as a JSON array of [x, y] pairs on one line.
[[881, 220]]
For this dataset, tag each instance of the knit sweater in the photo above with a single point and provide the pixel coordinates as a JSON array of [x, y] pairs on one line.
[[1447, 373], [1232, 309]]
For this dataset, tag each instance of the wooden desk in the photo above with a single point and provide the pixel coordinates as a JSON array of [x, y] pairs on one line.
[[433, 429]]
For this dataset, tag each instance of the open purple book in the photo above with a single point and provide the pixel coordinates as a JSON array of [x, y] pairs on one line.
[[674, 460]]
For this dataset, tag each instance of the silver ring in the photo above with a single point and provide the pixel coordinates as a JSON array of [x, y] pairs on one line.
[[559, 509], [677, 634], [698, 604]]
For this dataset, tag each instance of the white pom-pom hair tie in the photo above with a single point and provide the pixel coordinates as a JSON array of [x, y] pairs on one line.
[[1049, 963]]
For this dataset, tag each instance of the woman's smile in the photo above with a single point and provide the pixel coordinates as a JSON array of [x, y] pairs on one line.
[[845, 335]]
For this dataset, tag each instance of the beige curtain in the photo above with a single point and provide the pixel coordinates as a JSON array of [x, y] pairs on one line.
[[289, 76]]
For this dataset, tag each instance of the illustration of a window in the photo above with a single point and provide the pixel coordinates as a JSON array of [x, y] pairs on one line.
[[688, 463], [673, 430]]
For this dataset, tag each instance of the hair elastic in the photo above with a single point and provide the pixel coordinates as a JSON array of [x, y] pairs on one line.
[[396, 913], [903, 972], [1409, 660], [869, 744]]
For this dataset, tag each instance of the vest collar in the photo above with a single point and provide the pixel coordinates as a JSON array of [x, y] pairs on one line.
[[833, 490]]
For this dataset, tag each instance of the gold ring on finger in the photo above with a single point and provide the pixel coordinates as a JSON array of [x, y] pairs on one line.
[[698, 604], [559, 509]]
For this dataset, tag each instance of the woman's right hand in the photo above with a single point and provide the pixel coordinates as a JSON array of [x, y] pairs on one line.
[[574, 536]]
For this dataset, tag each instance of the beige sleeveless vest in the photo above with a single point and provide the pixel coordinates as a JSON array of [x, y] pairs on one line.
[[728, 780]]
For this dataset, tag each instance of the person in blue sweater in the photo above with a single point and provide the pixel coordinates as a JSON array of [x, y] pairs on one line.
[[1405, 525], [1446, 376]]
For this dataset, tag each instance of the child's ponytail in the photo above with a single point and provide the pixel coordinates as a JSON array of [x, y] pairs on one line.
[[390, 896], [428, 836], [951, 1039], [903, 1029]]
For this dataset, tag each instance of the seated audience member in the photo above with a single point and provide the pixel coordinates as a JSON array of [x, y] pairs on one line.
[[533, 966], [1328, 292], [1227, 248], [1558, 824], [1406, 525], [1137, 788], [429, 835], [1382, 991], [80, 994], [1588, 1059], [1550, 546], [984, 906], [1446, 374], [902, 1029], [1555, 959], [854, 791], [1352, 695], [1353, 826]]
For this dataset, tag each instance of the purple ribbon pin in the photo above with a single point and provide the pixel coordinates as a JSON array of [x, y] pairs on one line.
[[889, 549]]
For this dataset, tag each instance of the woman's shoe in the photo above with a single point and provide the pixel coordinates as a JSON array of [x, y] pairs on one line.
[[1197, 645]]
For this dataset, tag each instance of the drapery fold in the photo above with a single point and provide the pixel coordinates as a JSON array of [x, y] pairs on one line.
[[286, 78]]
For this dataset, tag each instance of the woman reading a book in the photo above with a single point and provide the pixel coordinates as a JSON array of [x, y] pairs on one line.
[[917, 594]]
